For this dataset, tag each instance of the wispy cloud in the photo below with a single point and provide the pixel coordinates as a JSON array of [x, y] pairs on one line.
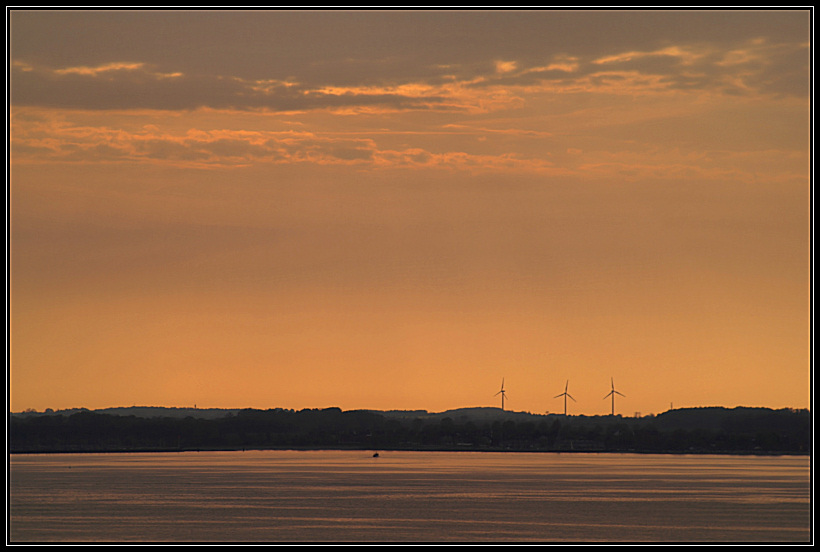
[[435, 95], [756, 66], [230, 148], [123, 86], [46, 141]]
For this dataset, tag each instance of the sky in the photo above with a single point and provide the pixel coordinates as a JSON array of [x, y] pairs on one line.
[[402, 209]]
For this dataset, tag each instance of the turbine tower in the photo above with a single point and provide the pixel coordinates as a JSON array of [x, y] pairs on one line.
[[612, 394], [565, 395], [502, 393]]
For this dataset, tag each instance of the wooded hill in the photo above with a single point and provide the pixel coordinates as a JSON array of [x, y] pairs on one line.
[[741, 430]]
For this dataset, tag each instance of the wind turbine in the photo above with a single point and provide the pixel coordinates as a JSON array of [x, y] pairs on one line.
[[565, 395], [502, 393], [613, 393]]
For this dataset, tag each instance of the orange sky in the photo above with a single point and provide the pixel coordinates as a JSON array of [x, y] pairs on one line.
[[396, 210]]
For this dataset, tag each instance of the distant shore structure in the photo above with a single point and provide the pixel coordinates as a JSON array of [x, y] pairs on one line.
[[565, 394], [612, 394], [502, 393]]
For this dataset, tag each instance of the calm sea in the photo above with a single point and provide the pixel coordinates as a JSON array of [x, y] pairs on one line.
[[294, 496]]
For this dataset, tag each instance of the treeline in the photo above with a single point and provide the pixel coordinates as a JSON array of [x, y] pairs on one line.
[[698, 430]]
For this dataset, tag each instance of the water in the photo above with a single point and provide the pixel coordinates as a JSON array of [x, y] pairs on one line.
[[275, 496]]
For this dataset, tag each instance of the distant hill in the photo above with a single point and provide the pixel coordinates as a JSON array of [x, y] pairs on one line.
[[143, 412], [739, 430], [477, 413], [159, 412]]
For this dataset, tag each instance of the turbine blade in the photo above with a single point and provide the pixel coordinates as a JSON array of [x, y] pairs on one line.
[[619, 393], [570, 396]]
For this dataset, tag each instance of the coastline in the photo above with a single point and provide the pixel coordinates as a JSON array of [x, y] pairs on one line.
[[707, 430], [381, 450]]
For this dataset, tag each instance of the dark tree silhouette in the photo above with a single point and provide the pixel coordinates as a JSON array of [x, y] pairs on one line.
[[701, 430]]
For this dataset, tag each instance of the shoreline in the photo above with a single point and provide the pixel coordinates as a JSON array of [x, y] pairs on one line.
[[739, 431], [437, 449]]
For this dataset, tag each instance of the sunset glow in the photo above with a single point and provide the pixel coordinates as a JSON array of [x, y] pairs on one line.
[[396, 210]]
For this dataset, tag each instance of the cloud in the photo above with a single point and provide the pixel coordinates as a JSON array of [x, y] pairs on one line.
[[402, 61], [97, 71], [47, 142], [752, 67], [655, 143], [514, 98], [308, 44], [125, 85]]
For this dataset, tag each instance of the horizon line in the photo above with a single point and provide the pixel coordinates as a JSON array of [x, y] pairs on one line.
[[194, 407]]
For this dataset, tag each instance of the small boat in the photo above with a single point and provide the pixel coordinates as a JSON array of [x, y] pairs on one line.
[[375, 455]]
